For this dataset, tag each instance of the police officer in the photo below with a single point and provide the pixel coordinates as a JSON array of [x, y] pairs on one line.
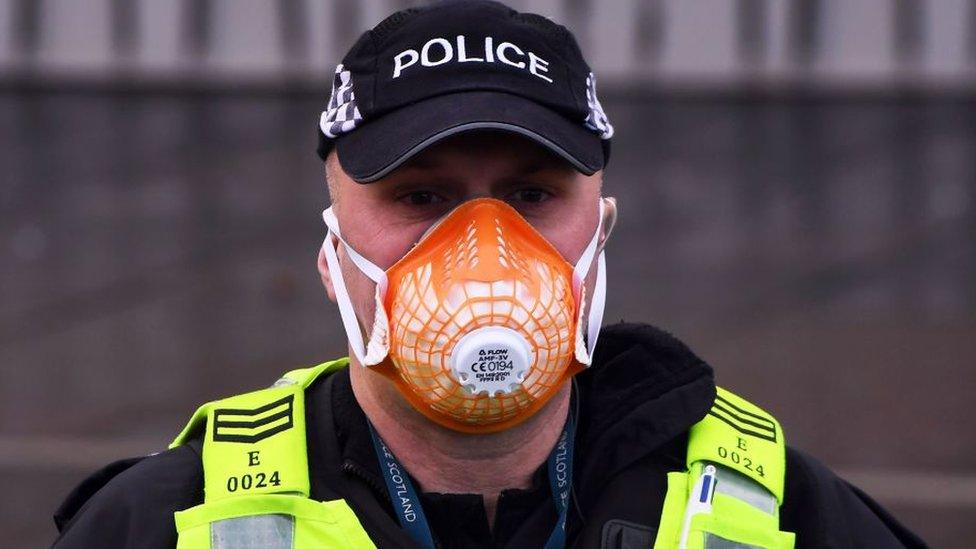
[[464, 146]]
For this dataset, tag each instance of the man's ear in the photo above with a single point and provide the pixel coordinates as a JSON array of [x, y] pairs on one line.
[[609, 219], [324, 273]]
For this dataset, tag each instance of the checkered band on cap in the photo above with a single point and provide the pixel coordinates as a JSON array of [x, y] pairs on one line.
[[597, 119], [342, 116]]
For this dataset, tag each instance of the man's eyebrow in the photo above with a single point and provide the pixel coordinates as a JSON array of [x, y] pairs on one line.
[[545, 166]]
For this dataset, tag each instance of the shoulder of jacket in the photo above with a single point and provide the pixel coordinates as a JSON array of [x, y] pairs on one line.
[[134, 486], [830, 512]]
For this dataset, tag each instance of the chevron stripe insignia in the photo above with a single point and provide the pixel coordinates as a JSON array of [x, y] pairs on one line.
[[744, 421], [252, 425]]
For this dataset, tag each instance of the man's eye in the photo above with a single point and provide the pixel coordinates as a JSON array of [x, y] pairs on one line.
[[532, 196], [422, 198]]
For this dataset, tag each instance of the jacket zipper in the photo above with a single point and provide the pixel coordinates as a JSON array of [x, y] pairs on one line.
[[352, 468]]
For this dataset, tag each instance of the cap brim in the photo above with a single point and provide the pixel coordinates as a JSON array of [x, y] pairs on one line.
[[379, 146]]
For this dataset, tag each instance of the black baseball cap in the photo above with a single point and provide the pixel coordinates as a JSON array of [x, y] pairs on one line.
[[424, 74]]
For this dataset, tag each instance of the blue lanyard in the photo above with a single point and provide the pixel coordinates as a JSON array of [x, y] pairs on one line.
[[406, 503], [402, 495], [561, 482]]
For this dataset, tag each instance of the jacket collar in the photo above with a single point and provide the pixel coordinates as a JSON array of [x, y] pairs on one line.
[[645, 390]]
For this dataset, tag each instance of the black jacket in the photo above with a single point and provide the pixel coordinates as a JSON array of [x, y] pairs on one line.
[[635, 406]]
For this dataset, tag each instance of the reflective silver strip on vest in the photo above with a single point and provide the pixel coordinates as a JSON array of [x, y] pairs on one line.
[[715, 542], [253, 532], [734, 484]]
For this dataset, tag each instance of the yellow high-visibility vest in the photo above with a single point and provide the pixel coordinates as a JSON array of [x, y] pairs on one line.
[[256, 481]]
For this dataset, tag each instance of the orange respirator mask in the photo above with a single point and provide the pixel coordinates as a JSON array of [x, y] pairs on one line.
[[481, 322]]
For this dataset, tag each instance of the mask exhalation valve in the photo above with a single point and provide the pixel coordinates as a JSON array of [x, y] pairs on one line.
[[492, 360]]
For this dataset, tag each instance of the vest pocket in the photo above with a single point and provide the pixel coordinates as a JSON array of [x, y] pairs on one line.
[[735, 524], [273, 521]]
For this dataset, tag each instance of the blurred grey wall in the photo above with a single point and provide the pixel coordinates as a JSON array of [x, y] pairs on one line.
[[797, 185], [817, 43]]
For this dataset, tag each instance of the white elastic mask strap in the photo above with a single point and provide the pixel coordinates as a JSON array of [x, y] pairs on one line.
[[346, 310], [595, 318], [582, 266], [367, 267]]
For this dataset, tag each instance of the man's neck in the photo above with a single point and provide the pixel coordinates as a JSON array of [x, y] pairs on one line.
[[449, 462]]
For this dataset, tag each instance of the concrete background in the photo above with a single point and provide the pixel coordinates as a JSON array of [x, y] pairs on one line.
[[796, 181]]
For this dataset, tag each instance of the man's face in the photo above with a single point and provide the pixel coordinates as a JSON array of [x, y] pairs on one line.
[[384, 219]]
